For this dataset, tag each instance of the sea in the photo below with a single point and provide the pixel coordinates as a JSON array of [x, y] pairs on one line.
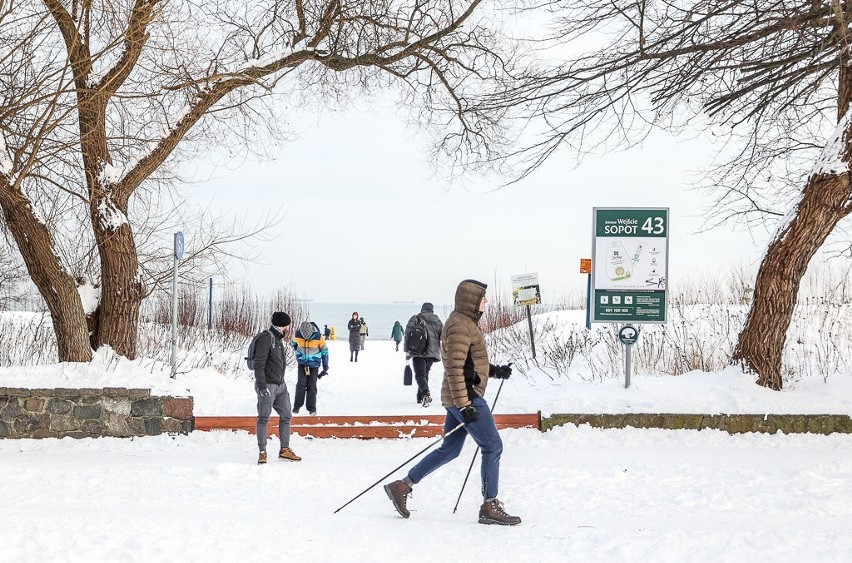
[[380, 317]]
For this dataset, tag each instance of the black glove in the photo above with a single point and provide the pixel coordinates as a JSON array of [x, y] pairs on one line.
[[323, 373], [263, 390], [469, 414], [502, 372]]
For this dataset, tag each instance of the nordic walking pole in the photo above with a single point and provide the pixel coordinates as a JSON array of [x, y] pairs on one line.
[[466, 477], [415, 456]]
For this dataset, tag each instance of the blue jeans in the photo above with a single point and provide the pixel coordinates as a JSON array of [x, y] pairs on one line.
[[278, 399], [484, 433]]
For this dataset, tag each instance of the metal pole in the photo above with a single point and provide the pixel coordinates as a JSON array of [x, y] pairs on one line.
[[174, 317], [627, 364], [589, 302], [403, 464], [532, 336], [210, 307]]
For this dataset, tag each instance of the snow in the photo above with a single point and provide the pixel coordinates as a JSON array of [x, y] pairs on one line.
[[111, 217], [112, 174], [90, 296], [584, 494], [343, 391], [268, 58], [830, 160], [5, 161]]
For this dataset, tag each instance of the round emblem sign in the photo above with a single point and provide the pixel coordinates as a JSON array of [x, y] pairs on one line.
[[628, 334]]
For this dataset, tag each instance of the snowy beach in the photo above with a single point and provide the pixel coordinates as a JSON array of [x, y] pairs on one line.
[[584, 494]]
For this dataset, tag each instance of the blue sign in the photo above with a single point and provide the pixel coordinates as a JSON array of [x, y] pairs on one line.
[[179, 245]]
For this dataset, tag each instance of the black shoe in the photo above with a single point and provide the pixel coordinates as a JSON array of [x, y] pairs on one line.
[[491, 512], [398, 492], [427, 400]]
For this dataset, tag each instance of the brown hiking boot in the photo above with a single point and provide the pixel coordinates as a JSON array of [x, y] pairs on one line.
[[261, 458], [491, 512], [288, 455], [398, 492]]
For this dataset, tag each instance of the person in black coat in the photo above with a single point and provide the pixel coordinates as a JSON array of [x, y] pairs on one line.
[[354, 327], [423, 361]]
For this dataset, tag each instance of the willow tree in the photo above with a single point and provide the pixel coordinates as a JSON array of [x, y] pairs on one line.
[[771, 75], [98, 98]]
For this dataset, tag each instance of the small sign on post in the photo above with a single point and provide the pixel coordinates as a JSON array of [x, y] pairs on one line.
[[526, 291]]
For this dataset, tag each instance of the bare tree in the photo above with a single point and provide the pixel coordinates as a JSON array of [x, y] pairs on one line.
[[100, 101], [772, 73]]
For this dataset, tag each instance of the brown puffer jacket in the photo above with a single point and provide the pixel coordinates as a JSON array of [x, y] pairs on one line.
[[463, 348]]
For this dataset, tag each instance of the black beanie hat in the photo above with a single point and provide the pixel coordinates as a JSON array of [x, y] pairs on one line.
[[280, 319]]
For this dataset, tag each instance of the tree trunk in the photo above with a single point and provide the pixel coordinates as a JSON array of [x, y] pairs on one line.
[[121, 286], [54, 284], [825, 201]]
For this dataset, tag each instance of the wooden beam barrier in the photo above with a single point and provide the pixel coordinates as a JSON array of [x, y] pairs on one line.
[[402, 426]]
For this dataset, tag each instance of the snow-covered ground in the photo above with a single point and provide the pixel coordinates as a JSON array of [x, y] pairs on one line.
[[584, 494], [373, 385]]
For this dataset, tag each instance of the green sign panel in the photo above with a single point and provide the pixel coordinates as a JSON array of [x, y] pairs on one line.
[[630, 265]]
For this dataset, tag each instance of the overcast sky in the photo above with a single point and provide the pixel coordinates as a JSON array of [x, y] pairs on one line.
[[365, 220]]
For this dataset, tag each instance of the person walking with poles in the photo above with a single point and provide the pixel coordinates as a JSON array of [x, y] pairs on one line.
[[423, 354], [311, 352], [466, 375], [269, 365]]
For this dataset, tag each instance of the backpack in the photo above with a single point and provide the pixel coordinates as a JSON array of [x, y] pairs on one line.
[[416, 337], [253, 346]]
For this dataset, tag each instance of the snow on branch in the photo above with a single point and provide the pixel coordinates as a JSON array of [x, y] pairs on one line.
[[111, 217], [5, 161], [271, 57], [831, 161]]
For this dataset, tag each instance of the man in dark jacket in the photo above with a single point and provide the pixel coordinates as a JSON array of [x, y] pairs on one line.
[[423, 361], [269, 364], [466, 374]]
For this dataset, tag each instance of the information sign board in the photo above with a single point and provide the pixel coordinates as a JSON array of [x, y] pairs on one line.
[[630, 252]]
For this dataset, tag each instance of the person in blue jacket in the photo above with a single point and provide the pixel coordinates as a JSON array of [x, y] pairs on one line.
[[311, 353]]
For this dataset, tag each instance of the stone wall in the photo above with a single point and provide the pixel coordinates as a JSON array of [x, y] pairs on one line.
[[731, 423], [89, 413]]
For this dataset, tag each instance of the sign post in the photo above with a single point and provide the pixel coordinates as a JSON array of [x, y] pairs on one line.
[[210, 306], [526, 291], [630, 251], [178, 254], [586, 268], [628, 336]]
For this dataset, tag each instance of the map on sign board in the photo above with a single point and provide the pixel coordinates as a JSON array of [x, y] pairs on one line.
[[631, 263]]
